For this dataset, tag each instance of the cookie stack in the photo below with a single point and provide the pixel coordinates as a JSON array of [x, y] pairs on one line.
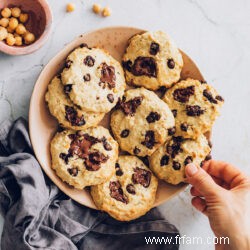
[[169, 132]]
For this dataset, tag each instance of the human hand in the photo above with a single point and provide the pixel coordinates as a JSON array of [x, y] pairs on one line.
[[222, 193]]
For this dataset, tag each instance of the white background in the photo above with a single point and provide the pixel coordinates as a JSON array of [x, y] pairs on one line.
[[216, 34]]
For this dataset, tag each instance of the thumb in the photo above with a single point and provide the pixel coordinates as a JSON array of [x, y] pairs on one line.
[[201, 180]]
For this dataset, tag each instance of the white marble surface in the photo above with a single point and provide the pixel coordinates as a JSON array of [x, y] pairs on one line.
[[214, 33]]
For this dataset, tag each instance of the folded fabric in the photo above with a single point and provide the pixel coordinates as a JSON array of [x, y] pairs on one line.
[[39, 216]]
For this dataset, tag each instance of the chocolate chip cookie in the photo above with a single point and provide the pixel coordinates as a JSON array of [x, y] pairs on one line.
[[195, 106], [93, 79], [68, 115], [85, 157], [130, 192], [168, 162], [152, 60], [142, 122]]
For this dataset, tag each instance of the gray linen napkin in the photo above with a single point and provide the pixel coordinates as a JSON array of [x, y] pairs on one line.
[[39, 216]]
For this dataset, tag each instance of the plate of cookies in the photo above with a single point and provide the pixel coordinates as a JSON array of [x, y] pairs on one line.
[[117, 115]]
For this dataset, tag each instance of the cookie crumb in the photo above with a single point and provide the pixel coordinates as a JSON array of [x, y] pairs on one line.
[[106, 12], [96, 8], [70, 7]]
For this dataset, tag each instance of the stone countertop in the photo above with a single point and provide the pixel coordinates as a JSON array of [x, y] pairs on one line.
[[214, 33]]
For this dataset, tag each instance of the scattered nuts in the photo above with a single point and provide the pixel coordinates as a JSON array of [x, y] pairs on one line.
[[106, 12], [96, 8], [6, 12], [4, 22], [70, 7], [3, 33], [15, 12]]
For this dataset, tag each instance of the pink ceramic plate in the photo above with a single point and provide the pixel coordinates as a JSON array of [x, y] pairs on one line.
[[43, 126]]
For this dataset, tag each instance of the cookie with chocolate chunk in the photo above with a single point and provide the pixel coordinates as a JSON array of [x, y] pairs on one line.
[[68, 114], [130, 192], [85, 157], [93, 79], [152, 60], [168, 162], [195, 105], [142, 122]]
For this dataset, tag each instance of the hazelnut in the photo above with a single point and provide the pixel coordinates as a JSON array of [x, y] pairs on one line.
[[29, 38], [96, 8], [70, 7], [10, 40], [20, 29], [3, 33], [4, 22], [106, 12], [6, 12], [19, 40], [23, 17], [15, 12], [13, 23]]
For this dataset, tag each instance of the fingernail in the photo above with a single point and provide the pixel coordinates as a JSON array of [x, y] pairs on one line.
[[191, 169]]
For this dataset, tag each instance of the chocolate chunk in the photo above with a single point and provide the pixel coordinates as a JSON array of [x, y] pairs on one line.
[[163, 90], [174, 111], [65, 157], [144, 66], [68, 64], [67, 88], [154, 48], [203, 82], [164, 160], [72, 117], [108, 75], [208, 157], [145, 160], [129, 107], [84, 45], [124, 133], [184, 126], [110, 98], [73, 171], [94, 161], [188, 160], [194, 110], [130, 188], [219, 98], [153, 117], [149, 141], [119, 172], [183, 94], [116, 192], [89, 61], [141, 176], [171, 63], [106, 145], [87, 77], [60, 128], [174, 147], [136, 151], [127, 65], [209, 96], [117, 165], [176, 165], [171, 131]]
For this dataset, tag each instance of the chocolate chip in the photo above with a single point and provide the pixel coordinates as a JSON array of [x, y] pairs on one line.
[[116, 192], [106, 145], [124, 133], [174, 111], [65, 157], [95, 159], [171, 131], [203, 82], [153, 117], [110, 98], [209, 96], [108, 75], [129, 107], [127, 65], [208, 157], [174, 147], [144, 66], [183, 94], [210, 144], [164, 160], [219, 98], [68, 64], [171, 63], [184, 126], [86, 77], [145, 160], [194, 110], [117, 165], [67, 88], [89, 61], [130, 188], [201, 164], [149, 141], [60, 128], [154, 48], [163, 90], [188, 160], [119, 172], [176, 165], [84, 45], [59, 76], [141, 176], [72, 117], [136, 151], [73, 171]]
